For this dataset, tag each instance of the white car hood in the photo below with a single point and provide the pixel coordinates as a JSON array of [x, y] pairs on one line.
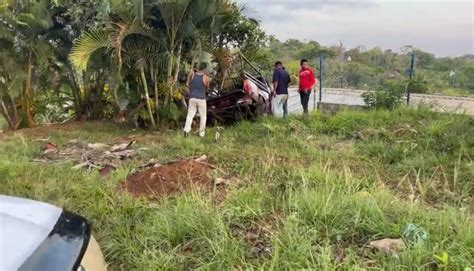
[[24, 224]]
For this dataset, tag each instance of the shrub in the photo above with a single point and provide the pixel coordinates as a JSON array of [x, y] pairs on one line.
[[389, 96], [418, 85]]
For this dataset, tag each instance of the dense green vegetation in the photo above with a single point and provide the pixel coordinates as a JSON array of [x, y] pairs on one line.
[[83, 60], [93, 59], [362, 68], [315, 191]]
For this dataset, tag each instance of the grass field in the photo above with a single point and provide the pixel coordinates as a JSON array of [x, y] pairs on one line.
[[315, 191]]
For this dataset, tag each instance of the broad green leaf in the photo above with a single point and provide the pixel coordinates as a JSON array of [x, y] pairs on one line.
[[86, 45]]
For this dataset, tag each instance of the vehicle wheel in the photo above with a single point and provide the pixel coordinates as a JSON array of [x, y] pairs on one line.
[[211, 121], [239, 115], [260, 108]]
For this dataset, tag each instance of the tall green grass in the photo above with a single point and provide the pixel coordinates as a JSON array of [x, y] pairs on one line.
[[321, 187], [3, 123]]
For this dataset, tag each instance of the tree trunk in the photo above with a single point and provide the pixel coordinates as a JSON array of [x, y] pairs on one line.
[[115, 86], [147, 97], [178, 62], [75, 89], [26, 97], [169, 69], [155, 86], [10, 112], [15, 118], [7, 116]]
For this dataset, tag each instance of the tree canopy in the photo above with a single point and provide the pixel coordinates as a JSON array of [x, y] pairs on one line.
[[102, 57]]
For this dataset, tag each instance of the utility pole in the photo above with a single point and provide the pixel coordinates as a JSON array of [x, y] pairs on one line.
[[341, 58], [321, 67], [410, 76], [451, 78]]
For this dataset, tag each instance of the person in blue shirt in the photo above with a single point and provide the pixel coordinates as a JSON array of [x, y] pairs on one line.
[[281, 82], [198, 83]]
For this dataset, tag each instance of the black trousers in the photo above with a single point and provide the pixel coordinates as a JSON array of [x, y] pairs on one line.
[[304, 95]]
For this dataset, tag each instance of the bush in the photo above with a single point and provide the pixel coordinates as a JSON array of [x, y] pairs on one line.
[[171, 113], [294, 79], [53, 107], [389, 96], [418, 85]]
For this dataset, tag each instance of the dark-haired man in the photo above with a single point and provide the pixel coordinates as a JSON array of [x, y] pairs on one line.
[[281, 82], [306, 84]]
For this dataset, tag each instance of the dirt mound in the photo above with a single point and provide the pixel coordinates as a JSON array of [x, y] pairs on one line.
[[169, 179]]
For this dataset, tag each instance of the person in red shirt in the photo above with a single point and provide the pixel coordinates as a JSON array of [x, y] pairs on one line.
[[306, 84]]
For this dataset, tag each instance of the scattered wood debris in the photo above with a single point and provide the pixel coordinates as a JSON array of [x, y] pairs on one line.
[[99, 156]]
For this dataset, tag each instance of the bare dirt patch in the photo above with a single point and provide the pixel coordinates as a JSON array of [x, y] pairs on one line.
[[45, 129], [170, 179]]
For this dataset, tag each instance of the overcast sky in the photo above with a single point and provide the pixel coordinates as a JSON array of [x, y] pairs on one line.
[[445, 28]]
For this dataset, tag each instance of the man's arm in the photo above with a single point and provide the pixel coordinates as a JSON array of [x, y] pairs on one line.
[[313, 79], [275, 81], [206, 80], [190, 77], [289, 80]]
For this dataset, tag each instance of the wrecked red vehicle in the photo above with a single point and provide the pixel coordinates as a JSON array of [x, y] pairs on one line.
[[238, 104], [235, 103], [228, 102]]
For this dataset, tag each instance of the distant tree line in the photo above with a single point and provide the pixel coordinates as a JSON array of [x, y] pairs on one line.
[[363, 68]]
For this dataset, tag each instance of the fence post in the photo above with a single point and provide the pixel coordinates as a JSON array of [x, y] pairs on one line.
[[410, 76], [321, 67]]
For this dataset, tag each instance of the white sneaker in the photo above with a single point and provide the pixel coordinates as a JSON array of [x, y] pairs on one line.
[[202, 134]]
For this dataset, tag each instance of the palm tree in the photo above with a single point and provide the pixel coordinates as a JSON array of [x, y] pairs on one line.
[[27, 22], [134, 35], [127, 39], [185, 22], [12, 79], [173, 14]]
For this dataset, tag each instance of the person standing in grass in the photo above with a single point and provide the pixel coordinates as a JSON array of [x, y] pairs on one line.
[[197, 83], [281, 82], [306, 84]]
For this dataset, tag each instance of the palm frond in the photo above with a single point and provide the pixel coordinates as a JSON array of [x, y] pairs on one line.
[[203, 10], [140, 52], [86, 45], [7, 36], [139, 9], [41, 11], [122, 31], [26, 19], [187, 30], [172, 12]]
